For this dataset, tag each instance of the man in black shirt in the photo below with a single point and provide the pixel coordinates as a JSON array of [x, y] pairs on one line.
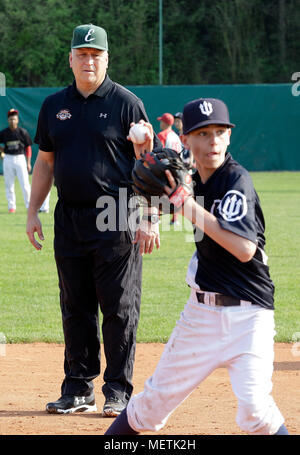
[[228, 320], [82, 136], [17, 145]]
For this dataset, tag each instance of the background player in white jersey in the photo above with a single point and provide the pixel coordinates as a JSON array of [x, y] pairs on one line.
[[167, 136], [171, 140], [228, 320], [185, 154]]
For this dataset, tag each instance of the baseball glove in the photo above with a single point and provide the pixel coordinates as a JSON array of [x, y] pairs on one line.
[[149, 179]]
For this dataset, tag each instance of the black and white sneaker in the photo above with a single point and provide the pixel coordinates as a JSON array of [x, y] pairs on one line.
[[70, 403], [113, 407]]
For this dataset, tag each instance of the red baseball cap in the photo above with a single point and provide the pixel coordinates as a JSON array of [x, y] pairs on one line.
[[12, 112], [167, 118]]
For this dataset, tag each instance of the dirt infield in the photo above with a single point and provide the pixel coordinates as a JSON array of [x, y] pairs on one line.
[[30, 376]]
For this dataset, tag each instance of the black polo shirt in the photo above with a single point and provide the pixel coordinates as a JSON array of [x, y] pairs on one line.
[[89, 138], [230, 195], [15, 141]]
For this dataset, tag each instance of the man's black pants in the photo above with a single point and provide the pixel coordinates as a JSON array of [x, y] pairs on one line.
[[108, 276]]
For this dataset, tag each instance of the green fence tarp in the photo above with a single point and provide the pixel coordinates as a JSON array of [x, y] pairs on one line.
[[266, 116]]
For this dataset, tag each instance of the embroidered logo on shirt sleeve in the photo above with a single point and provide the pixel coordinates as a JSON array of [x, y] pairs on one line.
[[233, 206]]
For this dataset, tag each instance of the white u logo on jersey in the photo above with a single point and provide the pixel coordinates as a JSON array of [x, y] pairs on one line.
[[87, 38], [206, 108]]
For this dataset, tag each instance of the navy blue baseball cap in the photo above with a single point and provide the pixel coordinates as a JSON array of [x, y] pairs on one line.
[[178, 115], [205, 111]]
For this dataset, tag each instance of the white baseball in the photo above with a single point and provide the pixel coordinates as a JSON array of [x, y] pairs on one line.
[[138, 133]]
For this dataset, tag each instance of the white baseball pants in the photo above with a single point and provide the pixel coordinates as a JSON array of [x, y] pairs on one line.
[[15, 166], [240, 338]]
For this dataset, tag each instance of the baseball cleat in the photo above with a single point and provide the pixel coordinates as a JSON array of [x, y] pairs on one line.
[[113, 407], [70, 403]]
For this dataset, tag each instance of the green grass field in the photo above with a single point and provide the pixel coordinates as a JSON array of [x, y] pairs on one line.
[[29, 301]]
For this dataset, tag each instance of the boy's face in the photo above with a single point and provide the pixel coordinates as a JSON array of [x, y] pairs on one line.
[[208, 145]]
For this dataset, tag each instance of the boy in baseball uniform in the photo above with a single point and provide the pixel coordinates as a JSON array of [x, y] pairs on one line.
[[228, 320]]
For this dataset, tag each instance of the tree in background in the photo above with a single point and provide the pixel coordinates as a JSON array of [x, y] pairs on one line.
[[205, 42], [132, 38]]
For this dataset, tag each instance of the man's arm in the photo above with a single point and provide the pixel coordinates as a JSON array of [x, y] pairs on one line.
[[28, 154], [42, 179], [27, 145], [147, 234]]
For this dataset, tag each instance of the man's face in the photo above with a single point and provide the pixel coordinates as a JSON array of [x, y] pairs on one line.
[[88, 65], [13, 121], [208, 145]]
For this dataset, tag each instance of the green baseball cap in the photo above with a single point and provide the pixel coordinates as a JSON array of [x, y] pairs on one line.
[[89, 35]]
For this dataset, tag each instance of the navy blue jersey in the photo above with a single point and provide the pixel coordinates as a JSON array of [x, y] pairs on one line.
[[230, 196]]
